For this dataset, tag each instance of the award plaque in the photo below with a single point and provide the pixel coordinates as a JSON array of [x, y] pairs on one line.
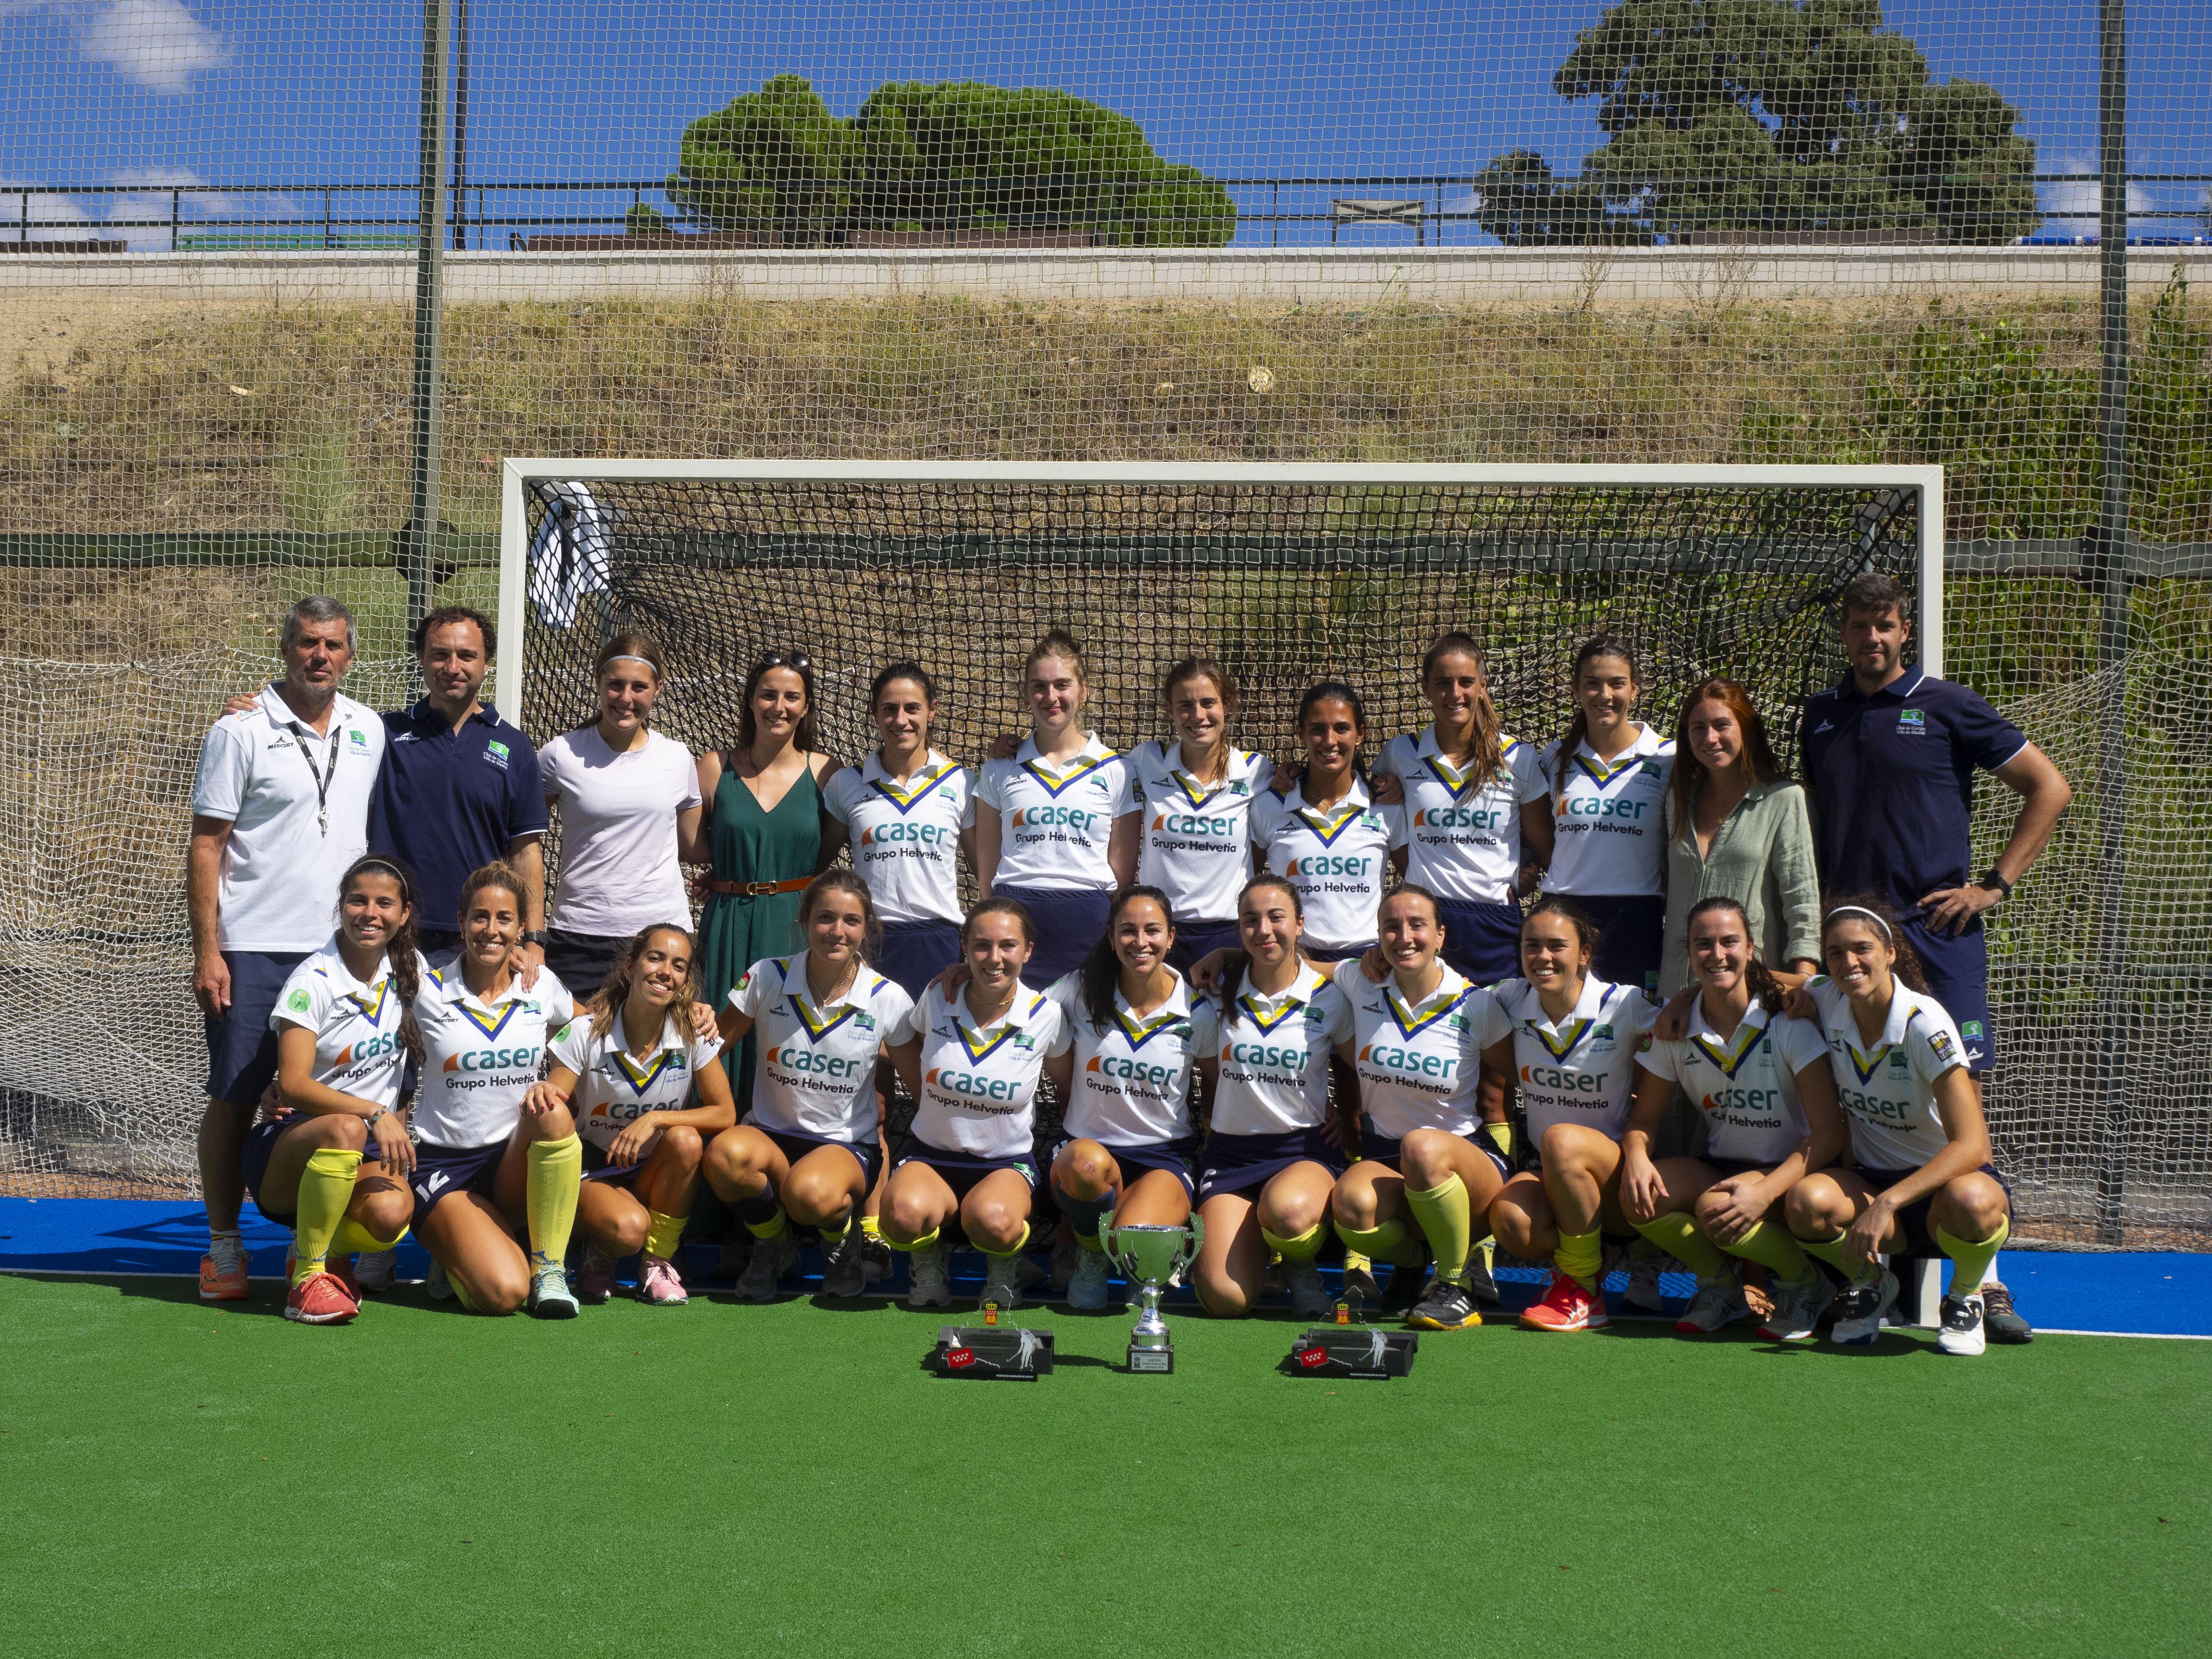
[[1001, 1354]]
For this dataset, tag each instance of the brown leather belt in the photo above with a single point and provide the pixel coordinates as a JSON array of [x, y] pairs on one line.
[[760, 889]]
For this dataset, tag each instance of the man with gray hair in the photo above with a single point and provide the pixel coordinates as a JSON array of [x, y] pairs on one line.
[[279, 808]]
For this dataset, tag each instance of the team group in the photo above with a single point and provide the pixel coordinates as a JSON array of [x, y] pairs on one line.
[[1739, 1017]]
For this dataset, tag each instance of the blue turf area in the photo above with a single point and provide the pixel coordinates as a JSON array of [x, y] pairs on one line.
[[2138, 1293]]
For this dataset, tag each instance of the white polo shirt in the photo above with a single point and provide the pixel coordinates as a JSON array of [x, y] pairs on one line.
[[615, 1088], [1197, 847], [266, 773], [1609, 827], [1745, 1083], [1056, 820], [1417, 1070], [1578, 1070], [1132, 1083], [356, 1026], [978, 1084], [816, 1074], [1463, 832], [1337, 857], [479, 1058], [618, 870], [905, 837], [1888, 1094], [1274, 1057]]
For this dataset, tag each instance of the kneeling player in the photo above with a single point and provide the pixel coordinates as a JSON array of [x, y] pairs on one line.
[[622, 1069], [806, 1151], [1569, 1038], [1920, 1180], [1761, 1080]]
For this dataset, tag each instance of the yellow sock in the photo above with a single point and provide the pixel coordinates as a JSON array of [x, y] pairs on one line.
[[1447, 1220], [353, 1239], [769, 1228], [1678, 1235], [666, 1233], [551, 1172], [871, 1226], [1389, 1242], [833, 1236], [1970, 1261], [325, 1189], [1303, 1247], [1014, 1248], [925, 1242], [1500, 1135], [461, 1291], [1580, 1255], [1772, 1246], [1831, 1251]]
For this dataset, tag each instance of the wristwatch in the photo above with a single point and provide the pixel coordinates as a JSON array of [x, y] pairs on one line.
[[1995, 882], [535, 936]]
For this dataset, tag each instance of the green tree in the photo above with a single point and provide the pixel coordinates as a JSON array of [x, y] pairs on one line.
[[1778, 116], [771, 161]]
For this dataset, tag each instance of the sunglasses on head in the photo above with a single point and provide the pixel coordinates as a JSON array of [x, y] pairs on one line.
[[786, 660]]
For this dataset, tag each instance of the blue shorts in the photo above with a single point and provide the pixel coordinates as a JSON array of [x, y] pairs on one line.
[[441, 1171], [1137, 1162], [596, 1168], [961, 1174], [1194, 939], [1482, 942], [241, 1047], [260, 1142], [1725, 1167], [1631, 936], [1378, 1148], [917, 952], [583, 961], [1913, 1219], [1066, 923], [1244, 1163], [1958, 972], [795, 1144], [1330, 953]]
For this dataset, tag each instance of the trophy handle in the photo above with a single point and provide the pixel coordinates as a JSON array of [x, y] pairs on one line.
[[1106, 1239], [1197, 1237]]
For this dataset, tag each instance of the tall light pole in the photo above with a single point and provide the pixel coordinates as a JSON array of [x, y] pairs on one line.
[[461, 125], [429, 313]]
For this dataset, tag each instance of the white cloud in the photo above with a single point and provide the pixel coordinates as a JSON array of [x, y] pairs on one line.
[[2072, 209], [61, 215], [157, 43]]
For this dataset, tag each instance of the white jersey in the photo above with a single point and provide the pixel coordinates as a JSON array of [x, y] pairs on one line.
[[1132, 1083], [1056, 819], [1275, 1056], [1609, 834], [614, 1087], [356, 1026], [1198, 842], [1889, 1094], [817, 1071], [1464, 831], [480, 1058], [906, 836], [1745, 1083], [1417, 1067], [978, 1084], [1578, 1070], [1337, 857]]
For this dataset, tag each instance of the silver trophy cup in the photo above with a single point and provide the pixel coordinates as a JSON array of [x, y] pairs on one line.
[[1151, 1256]]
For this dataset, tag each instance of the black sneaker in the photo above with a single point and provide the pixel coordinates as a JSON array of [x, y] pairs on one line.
[[875, 1258], [1359, 1280], [1406, 1286], [1448, 1306], [845, 1266], [2000, 1319]]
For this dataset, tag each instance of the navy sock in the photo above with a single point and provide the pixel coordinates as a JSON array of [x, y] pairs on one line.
[[760, 1209]]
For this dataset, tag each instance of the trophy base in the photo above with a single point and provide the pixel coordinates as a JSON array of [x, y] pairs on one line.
[[1002, 1353], [1152, 1360], [1352, 1351]]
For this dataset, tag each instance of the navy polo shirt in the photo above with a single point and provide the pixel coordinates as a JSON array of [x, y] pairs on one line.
[[449, 804], [1894, 778]]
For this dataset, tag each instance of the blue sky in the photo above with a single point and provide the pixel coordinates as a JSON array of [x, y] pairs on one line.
[[150, 93]]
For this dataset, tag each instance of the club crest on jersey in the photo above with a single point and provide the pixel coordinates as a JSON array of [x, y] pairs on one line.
[[359, 739], [298, 1002], [1914, 721], [496, 753]]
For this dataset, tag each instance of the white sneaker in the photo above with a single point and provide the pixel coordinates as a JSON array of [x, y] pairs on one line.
[[927, 1285], [1480, 1281], [772, 1262], [435, 1281], [1798, 1305], [1719, 1301], [549, 1295], [1961, 1330], [1861, 1308], [1642, 1291], [1089, 1286], [374, 1270], [1002, 1282], [1309, 1296]]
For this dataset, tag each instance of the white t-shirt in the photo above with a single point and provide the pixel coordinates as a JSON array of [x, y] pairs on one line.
[[618, 869], [259, 770], [979, 1086], [1417, 1069], [906, 838], [480, 1058], [357, 1026], [1609, 833], [1746, 1084], [1132, 1083], [1578, 1070], [614, 1088], [817, 1071], [1337, 857], [1464, 831], [1889, 1094], [1056, 821], [1197, 847], [1274, 1057]]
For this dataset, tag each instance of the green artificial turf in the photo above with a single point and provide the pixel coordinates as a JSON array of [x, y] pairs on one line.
[[733, 1480]]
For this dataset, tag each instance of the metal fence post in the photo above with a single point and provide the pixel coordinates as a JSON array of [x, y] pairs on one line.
[[429, 313]]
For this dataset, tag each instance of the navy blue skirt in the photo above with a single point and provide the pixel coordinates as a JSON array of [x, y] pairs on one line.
[[1631, 936], [917, 952], [1194, 939], [1244, 1163], [1482, 942], [1066, 923]]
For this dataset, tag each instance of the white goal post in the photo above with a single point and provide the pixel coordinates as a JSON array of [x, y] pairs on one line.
[[519, 475]]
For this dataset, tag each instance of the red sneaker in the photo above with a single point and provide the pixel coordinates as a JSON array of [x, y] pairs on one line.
[[222, 1284], [1566, 1307], [319, 1299], [340, 1266]]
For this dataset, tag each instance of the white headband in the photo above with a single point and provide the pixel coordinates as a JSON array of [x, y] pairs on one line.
[[1861, 910], [647, 661]]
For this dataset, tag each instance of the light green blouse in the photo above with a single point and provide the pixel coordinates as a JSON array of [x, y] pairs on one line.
[[1762, 858]]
